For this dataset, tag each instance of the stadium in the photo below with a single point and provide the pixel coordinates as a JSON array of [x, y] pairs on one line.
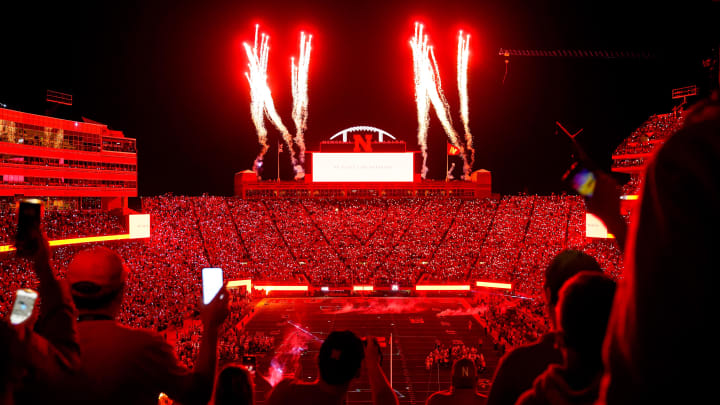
[[391, 234]]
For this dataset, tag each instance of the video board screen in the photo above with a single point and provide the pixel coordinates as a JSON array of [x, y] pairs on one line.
[[362, 167], [139, 226]]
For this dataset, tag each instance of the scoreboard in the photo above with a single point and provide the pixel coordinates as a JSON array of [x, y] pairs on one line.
[[362, 167]]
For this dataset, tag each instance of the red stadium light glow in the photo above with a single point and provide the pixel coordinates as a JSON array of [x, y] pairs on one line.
[[240, 283], [443, 287], [268, 288], [75, 241], [492, 284], [139, 226], [362, 288]]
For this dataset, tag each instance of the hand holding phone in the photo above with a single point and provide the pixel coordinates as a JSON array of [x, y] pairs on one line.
[[216, 299], [28, 235], [373, 352], [581, 179], [23, 307], [212, 281]]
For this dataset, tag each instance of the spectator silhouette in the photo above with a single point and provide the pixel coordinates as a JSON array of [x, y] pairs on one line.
[[339, 362], [8, 364], [518, 369], [582, 314], [44, 348], [661, 337], [234, 386], [462, 391], [122, 365]]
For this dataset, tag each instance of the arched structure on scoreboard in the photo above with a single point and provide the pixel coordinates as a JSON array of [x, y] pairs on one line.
[[362, 129]]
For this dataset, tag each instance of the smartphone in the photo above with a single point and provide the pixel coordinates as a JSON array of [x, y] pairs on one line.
[[23, 306], [29, 215], [212, 279], [581, 179]]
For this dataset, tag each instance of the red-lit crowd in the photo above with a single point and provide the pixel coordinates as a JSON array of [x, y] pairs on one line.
[[330, 242], [444, 355], [327, 241]]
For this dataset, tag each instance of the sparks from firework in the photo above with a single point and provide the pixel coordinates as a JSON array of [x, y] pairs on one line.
[[258, 82], [419, 44], [299, 74], [463, 57], [261, 101], [428, 91]]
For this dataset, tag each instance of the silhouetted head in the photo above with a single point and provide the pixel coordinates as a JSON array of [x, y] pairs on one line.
[[464, 373], [234, 386], [563, 267], [5, 360], [97, 278], [340, 357], [583, 312]]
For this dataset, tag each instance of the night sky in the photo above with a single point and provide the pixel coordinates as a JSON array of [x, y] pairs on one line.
[[171, 75]]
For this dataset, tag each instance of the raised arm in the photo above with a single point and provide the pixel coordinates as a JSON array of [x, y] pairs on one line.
[[382, 392]]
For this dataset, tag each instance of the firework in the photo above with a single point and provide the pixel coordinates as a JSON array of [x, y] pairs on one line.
[[300, 92], [428, 91], [261, 101], [419, 50], [256, 79], [463, 56]]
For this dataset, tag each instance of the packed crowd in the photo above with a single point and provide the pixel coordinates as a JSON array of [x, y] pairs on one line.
[[651, 134], [328, 241], [334, 242], [232, 342], [444, 355], [511, 322], [64, 223]]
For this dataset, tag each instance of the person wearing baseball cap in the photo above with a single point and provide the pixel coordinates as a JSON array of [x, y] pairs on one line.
[[123, 365], [97, 279], [462, 391]]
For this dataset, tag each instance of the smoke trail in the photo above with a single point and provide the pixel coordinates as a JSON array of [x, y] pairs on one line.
[[462, 312], [463, 58], [261, 100], [382, 307], [287, 356], [450, 170], [300, 93]]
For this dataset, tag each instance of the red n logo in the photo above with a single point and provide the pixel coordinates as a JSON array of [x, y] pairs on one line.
[[365, 144]]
